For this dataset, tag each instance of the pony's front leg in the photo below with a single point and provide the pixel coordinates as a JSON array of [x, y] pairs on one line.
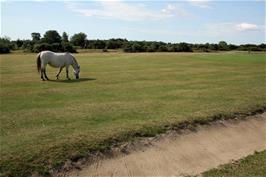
[[67, 76], [59, 72]]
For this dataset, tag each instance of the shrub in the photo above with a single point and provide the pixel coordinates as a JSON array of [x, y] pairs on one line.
[[41, 47], [67, 47], [5, 45], [55, 47], [4, 49], [28, 46]]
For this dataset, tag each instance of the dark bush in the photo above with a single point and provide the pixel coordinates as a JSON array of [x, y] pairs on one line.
[[28, 46], [67, 47], [41, 47], [255, 49], [127, 47], [6, 45], [4, 50], [55, 47]]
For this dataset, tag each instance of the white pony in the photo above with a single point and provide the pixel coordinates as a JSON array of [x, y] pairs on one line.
[[57, 60]]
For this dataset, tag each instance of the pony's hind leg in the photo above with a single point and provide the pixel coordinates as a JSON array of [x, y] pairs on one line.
[[45, 74], [42, 75], [59, 72]]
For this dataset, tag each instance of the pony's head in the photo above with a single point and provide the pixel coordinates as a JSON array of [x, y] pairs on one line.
[[76, 71]]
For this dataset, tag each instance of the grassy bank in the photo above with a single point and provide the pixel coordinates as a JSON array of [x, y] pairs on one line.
[[45, 123], [250, 166]]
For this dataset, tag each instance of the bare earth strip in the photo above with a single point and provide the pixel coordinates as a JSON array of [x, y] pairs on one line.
[[190, 153]]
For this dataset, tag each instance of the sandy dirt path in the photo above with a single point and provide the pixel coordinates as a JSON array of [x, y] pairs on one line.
[[189, 153]]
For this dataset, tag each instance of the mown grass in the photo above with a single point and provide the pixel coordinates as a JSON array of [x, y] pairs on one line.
[[250, 166], [118, 95]]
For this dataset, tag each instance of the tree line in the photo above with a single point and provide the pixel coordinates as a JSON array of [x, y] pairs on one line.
[[52, 40]]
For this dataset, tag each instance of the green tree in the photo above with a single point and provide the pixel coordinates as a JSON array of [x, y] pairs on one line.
[[5, 44], [223, 45], [64, 37], [184, 47], [51, 37], [79, 39], [36, 37], [19, 43], [162, 48], [136, 47], [27, 45], [214, 47]]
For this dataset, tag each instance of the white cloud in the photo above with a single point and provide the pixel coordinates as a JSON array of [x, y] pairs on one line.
[[247, 27], [200, 3], [173, 10], [125, 11], [232, 28]]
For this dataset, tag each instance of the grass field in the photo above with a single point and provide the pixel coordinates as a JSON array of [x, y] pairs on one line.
[[45, 123], [250, 166]]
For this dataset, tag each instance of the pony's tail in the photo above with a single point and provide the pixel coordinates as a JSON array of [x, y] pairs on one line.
[[39, 62]]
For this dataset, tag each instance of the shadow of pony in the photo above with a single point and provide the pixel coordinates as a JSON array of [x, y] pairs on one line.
[[74, 80]]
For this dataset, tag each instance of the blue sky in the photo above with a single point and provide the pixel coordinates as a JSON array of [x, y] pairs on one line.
[[193, 21]]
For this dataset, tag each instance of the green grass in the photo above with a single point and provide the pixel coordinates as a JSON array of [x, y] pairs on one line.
[[250, 166], [45, 123]]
